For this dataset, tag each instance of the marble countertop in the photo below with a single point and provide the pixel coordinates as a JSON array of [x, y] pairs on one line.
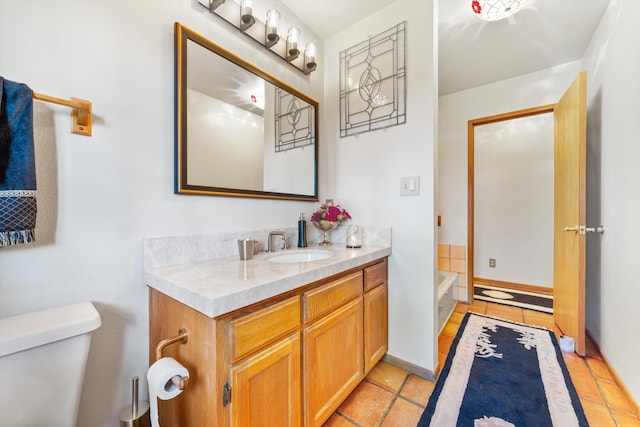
[[218, 286]]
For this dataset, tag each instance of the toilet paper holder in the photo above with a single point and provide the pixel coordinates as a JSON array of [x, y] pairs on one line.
[[182, 337]]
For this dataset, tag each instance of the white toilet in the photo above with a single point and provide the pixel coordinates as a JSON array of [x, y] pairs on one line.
[[42, 361]]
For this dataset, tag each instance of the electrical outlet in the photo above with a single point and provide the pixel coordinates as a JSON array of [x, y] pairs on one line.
[[492, 262]]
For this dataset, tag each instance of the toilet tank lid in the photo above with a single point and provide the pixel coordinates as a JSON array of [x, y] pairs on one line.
[[29, 330]]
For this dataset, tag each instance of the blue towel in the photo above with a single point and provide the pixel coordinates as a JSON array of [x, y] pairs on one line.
[[17, 164]]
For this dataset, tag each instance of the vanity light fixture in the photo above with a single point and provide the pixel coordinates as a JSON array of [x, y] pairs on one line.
[[243, 15], [310, 58], [246, 15], [292, 44], [271, 36], [495, 10], [214, 4]]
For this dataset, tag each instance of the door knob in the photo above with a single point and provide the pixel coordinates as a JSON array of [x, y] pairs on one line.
[[583, 229]]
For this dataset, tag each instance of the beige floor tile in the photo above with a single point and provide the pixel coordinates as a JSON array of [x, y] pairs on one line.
[[626, 420], [417, 389], [450, 329], [402, 414], [591, 349], [478, 306], [598, 415], [503, 308], [456, 318], [388, 376], [599, 369], [535, 315], [442, 357], [393, 391], [337, 420], [614, 397], [444, 343], [575, 364], [586, 387], [367, 404], [514, 317]]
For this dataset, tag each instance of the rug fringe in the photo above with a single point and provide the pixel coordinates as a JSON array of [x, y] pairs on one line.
[[16, 237]]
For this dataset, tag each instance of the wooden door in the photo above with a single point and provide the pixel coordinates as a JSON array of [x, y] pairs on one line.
[[265, 388], [570, 129], [333, 361]]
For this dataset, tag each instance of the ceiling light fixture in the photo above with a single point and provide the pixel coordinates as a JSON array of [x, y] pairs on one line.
[[495, 10], [243, 16]]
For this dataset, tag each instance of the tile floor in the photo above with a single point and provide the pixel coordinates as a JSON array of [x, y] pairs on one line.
[[390, 396]]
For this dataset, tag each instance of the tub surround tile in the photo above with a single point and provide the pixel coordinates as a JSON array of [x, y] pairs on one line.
[[462, 280], [458, 252], [443, 264], [458, 265], [188, 269], [444, 251]]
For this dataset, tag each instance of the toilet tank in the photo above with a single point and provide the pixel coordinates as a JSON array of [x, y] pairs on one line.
[[43, 356]]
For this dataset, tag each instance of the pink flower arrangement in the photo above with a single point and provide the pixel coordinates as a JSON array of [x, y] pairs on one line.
[[330, 212]]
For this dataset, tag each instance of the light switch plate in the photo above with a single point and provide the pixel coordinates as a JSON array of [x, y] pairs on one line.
[[410, 186]]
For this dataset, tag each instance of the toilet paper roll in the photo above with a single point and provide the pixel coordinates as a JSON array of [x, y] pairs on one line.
[[160, 385]]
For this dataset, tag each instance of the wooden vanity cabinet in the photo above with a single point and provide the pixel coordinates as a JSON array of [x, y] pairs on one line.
[[288, 361], [265, 375], [265, 388], [333, 346], [376, 319]]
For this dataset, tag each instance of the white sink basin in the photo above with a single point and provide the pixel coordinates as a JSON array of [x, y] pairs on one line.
[[301, 256]]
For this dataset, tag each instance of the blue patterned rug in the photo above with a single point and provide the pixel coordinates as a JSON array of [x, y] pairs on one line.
[[503, 374]]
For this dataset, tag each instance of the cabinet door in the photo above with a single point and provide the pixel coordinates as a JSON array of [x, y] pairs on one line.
[[265, 388], [375, 326], [333, 361]]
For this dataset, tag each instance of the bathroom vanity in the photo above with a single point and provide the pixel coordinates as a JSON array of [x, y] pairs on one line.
[[270, 343]]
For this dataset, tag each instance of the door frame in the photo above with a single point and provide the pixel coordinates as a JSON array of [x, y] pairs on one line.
[[471, 124]]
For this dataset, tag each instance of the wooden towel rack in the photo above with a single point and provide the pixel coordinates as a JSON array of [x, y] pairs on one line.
[[80, 113]]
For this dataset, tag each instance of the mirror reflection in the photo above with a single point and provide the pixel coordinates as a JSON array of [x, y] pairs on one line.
[[240, 131]]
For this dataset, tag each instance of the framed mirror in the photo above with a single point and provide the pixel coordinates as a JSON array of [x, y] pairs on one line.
[[239, 131]]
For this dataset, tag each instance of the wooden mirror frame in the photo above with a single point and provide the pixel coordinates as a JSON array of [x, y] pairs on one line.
[[182, 36]]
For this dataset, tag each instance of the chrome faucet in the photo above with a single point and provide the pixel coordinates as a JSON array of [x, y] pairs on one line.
[[276, 233]]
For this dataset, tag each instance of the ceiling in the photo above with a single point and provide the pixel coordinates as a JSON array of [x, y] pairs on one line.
[[473, 52]]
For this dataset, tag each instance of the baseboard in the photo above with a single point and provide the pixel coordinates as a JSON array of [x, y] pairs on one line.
[[516, 286], [409, 367], [621, 385]]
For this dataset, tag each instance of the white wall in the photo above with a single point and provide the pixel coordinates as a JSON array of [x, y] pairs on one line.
[[100, 196], [513, 207], [368, 168], [215, 127], [612, 62], [456, 109]]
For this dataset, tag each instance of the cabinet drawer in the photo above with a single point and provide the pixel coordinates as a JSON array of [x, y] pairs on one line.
[[375, 275], [327, 297], [251, 332]]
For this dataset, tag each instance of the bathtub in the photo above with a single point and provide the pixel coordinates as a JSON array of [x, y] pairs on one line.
[[447, 283]]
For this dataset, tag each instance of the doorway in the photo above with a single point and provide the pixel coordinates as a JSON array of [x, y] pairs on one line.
[[515, 205], [570, 127]]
